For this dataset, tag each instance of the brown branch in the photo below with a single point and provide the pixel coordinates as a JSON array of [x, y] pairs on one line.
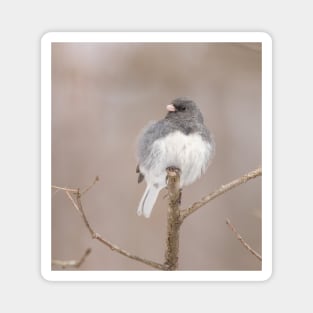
[[75, 191], [175, 216], [173, 220], [89, 187], [112, 246], [63, 188], [224, 188], [79, 207], [72, 263], [72, 200], [234, 230]]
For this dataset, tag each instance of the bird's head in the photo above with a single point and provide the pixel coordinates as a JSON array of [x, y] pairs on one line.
[[185, 109]]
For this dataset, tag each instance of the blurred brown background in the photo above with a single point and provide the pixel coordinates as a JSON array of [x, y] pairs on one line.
[[102, 95]]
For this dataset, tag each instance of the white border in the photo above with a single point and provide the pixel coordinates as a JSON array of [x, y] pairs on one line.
[[266, 271]]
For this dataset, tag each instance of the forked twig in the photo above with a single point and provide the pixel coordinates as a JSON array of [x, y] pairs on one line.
[[112, 246], [77, 194]]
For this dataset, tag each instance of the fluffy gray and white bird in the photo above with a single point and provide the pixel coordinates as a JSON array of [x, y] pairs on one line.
[[180, 140]]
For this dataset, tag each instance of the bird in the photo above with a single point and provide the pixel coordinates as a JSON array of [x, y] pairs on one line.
[[178, 141]]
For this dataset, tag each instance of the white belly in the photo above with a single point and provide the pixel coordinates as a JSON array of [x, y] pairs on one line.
[[189, 153]]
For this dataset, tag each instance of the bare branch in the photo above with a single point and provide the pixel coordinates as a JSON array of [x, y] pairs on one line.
[[72, 263], [64, 188], [112, 246], [89, 187], [77, 190], [173, 219], [224, 188], [234, 230], [72, 200], [79, 207]]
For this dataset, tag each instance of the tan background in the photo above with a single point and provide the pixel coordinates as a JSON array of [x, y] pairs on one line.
[[102, 95]]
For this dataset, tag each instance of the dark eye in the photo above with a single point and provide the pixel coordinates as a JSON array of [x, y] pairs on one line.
[[182, 108]]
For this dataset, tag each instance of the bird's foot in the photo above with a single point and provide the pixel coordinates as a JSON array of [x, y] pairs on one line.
[[173, 169]]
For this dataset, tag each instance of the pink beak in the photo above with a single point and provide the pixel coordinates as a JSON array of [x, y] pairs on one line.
[[170, 108]]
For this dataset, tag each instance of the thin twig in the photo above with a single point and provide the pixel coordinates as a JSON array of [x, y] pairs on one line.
[[72, 263], [64, 188], [73, 201], [234, 230], [243, 179], [76, 190], [112, 246], [89, 187], [79, 207]]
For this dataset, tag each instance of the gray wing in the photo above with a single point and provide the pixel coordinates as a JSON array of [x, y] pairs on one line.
[[148, 136]]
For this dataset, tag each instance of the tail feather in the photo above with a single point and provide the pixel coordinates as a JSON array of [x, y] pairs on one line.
[[148, 200]]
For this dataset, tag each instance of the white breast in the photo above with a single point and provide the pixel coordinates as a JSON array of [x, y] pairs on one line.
[[189, 153]]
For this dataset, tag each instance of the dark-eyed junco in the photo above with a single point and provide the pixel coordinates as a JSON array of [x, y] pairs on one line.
[[180, 140]]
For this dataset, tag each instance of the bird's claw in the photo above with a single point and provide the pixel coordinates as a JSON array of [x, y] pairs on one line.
[[173, 169]]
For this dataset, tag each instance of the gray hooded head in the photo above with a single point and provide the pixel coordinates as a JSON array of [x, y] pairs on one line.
[[186, 112]]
